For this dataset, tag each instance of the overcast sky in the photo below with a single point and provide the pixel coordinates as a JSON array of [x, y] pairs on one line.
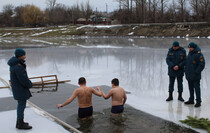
[[99, 4]]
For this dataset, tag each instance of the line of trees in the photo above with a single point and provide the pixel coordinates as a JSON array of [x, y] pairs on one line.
[[130, 11], [163, 11], [54, 14]]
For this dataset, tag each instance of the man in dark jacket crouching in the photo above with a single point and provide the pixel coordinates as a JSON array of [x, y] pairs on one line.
[[20, 85]]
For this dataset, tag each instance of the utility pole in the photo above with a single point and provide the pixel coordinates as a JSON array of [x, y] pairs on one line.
[[106, 8]]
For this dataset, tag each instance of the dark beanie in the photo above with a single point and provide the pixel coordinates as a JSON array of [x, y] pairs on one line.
[[192, 45], [19, 52], [176, 44]]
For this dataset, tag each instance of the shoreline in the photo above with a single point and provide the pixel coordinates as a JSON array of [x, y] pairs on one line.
[[135, 30]]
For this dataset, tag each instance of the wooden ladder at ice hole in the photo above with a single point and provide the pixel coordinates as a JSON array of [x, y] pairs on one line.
[[49, 81]]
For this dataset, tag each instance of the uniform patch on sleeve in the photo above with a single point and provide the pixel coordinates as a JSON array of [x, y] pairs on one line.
[[199, 52], [171, 53], [201, 59]]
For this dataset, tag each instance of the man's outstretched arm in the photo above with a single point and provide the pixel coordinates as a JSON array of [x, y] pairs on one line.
[[98, 93], [74, 95], [108, 95]]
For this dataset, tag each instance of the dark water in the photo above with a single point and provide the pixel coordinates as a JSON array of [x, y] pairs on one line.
[[131, 121]]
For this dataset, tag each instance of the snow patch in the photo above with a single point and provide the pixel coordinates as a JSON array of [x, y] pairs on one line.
[[131, 40], [45, 42], [37, 34], [7, 34], [135, 27], [98, 26], [98, 46], [130, 33]]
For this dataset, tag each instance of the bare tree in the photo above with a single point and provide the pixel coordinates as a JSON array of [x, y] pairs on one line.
[[18, 21], [8, 11], [172, 12], [182, 9], [163, 6], [75, 13], [120, 4], [205, 5], [155, 8], [140, 10], [195, 4], [51, 4], [86, 10], [161, 10]]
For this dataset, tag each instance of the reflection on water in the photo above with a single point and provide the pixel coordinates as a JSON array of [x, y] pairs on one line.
[[48, 88]]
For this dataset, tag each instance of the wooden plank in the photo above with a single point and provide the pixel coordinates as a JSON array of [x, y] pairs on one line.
[[34, 84], [42, 76], [4, 87]]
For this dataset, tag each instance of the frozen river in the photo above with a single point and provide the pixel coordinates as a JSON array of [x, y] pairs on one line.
[[139, 63]]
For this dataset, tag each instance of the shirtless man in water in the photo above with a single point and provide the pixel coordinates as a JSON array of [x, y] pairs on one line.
[[118, 97], [84, 96]]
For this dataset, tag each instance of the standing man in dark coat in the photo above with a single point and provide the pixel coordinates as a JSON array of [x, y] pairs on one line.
[[176, 60], [20, 85], [195, 64]]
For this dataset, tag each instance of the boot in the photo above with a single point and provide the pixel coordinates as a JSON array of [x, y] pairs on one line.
[[21, 125], [189, 102], [170, 96], [197, 105], [180, 97], [25, 123]]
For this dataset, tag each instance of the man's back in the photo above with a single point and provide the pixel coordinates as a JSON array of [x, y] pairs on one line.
[[84, 96], [118, 95]]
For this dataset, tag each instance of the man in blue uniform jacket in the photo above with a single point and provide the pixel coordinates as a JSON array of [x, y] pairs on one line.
[[195, 64], [176, 60], [20, 85]]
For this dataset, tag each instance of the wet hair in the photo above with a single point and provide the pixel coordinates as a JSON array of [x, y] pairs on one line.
[[82, 81], [115, 81]]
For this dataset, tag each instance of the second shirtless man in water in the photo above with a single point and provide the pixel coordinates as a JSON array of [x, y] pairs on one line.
[[118, 97], [84, 96]]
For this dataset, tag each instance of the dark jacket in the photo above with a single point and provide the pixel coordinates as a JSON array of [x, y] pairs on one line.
[[195, 64], [176, 57], [19, 79]]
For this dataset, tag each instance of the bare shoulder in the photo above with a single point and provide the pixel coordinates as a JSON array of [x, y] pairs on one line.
[[89, 89], [120, 88], [77, 90], [111, 91]]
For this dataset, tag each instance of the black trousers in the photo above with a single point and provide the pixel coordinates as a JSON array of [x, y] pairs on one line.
[[194, 86], [171, 83]]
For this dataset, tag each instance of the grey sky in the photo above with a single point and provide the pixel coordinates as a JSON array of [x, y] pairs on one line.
[[99, 4]]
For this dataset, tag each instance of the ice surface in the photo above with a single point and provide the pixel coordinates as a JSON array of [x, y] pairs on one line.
[[39, 123], [5, 93]]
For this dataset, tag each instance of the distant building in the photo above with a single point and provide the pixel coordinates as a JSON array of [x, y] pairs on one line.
[[101, 18]]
